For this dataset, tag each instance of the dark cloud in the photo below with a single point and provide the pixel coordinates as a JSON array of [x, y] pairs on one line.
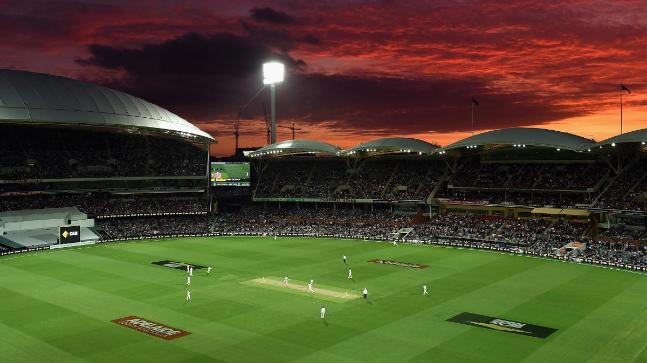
[[270, 15], [210, 77]]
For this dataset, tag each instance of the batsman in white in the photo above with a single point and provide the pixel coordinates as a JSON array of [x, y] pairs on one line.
[[310, 286]]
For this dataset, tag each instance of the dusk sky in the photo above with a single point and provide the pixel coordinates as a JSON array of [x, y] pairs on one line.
[[357, 70]]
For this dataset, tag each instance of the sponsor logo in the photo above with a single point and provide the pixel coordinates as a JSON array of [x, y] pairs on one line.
[[150, 327], [398, 263], [177, 265], [70, 234], [509, 326]]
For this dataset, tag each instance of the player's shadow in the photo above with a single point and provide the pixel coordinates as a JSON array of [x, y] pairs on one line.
[[369, 302], [325, 323]]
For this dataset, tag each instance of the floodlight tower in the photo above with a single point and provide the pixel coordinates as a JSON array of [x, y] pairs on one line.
[[273, 73]]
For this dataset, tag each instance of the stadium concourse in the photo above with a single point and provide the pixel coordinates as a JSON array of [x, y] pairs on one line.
[[139, 171]]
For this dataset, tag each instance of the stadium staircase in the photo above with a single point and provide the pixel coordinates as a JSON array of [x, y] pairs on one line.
[[612, 179], [388, 182], [441, 182]]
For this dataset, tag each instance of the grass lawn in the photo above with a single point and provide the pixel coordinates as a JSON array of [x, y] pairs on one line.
[[58, 305]]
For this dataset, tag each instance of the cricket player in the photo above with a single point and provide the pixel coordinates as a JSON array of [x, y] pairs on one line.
[[275, 238], [188, 295], [424, 290], [344, 258], [188, 280], [285, 280], [209, 270], [187, 268], [310, 286], [191, 271], [395, 243], [365, 292], [323, 311], [350, 273]]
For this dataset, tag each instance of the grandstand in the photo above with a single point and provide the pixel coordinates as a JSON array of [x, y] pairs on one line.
[[73, 144], [141, 171]]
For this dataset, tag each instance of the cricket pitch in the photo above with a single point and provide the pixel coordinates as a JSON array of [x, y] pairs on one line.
[[301, 287]]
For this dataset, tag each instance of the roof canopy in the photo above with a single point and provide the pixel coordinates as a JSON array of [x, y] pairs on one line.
[[393, 145], [628, 137], [520, 136], [296, 147], [27, 97]]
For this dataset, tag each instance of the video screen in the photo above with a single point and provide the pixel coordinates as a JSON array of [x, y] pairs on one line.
[[229, 174]]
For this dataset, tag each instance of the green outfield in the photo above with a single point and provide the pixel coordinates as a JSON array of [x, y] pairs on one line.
[[58, 306]]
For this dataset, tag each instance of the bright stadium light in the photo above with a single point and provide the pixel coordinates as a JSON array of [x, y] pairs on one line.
[[273, 73]]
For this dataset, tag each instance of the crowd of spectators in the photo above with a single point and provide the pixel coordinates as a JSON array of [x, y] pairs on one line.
[[389, 179], [536, 176], [536, 236], [106, 205], [49, 153], [120, 228]]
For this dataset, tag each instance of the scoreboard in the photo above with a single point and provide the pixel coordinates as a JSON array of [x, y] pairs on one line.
[[234, 174]]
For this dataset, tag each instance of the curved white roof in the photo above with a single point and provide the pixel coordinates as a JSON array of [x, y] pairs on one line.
[[525, 136], [394, 145], [627, 137], [292, 147], [40, 98]]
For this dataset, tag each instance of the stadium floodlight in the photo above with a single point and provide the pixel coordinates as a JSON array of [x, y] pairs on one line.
[[273, 73]]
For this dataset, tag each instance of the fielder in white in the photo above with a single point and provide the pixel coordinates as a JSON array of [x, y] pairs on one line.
[[187, 268], [188, 280], [365, 292], [424, 290], [323, 311], [310, 286], [285, 280], [188, 295], [209, 270], [350, 273]]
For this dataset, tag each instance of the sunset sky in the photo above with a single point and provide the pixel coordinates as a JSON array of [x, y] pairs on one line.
[[357, 70]]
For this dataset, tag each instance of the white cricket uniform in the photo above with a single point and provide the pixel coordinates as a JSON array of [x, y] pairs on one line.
[[188, 296], [285, 280], [323, 312], [424, 289], [310, 287], [191, 271], [208, 270], [275, 238], [187, 268], [350, 273], [188, 280], [365, 292], [344, 258]]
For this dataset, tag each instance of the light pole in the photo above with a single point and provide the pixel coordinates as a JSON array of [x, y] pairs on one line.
[[273, 73]]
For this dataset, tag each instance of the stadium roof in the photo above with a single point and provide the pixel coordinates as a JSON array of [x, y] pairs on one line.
[[520, 136], [628, 137], [393, 145], [296, 147], [27, 97]]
